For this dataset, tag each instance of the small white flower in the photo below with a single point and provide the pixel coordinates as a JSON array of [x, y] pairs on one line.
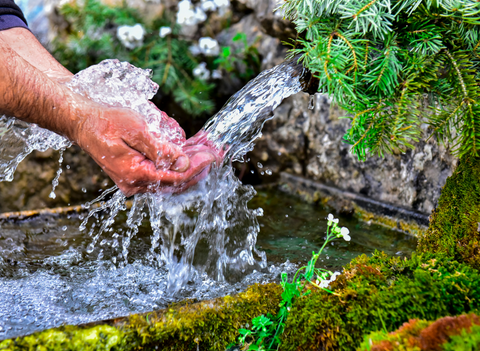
[[201, 71], [344, 231], [335, 220], [200, 15], [164, 31], [330, 217], [195, 50], [334, 276], [189, 15], [208, 5], [324, 283], [131, 36], [209, 46], [217, 74], [222, 6], [347, 237]]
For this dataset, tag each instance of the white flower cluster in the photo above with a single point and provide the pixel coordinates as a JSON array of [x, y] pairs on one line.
[[202, 72], [322, 280], [164, 31], [131, 36], [222, 6], [190, 15], [339, 232], [207, 46]]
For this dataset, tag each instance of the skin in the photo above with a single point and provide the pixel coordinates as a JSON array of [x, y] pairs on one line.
[[117, 139]]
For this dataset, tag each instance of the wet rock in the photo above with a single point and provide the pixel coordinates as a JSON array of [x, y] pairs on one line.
[[311, 144], [80, 181]]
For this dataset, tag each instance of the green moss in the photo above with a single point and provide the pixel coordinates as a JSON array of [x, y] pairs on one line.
[[209, 325], [98, 338], [381, 292], [467, 340], [454, 224], [409, 227]]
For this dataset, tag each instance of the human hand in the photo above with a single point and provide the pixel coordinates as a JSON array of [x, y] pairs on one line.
[[119, 141], [201, 143]]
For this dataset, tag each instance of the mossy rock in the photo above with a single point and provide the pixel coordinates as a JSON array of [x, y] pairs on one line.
[[454, 224], [461, 333], [209, 325], [98, 338], [380, 293]]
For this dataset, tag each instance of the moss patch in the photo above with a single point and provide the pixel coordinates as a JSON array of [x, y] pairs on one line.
[[381, 292], [454, 224], [461, 333], [409, 227], [98, 338], [209, 325]]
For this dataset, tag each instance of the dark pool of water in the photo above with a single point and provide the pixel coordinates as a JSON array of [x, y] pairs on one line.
[[47, 278], [291, 229]]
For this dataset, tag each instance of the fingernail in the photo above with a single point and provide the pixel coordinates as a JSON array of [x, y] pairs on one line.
[[181, 165]]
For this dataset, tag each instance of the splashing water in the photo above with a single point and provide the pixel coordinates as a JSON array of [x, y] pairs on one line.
[[57, 177], [213, 214], [19, 139]]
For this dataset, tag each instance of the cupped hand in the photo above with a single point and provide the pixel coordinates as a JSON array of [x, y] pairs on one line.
[[201, 143], [119, 141]]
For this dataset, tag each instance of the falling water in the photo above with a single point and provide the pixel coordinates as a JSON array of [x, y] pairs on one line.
[[203, 235], [214, 213], [57, 176]]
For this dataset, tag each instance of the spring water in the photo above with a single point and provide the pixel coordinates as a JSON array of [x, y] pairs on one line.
[[202, 241]]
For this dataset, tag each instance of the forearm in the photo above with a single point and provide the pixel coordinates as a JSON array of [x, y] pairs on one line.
[[24, 43], [30, 95]]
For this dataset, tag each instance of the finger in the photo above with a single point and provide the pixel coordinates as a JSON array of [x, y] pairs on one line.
[[146, 178], [162, 154], [147, 174]]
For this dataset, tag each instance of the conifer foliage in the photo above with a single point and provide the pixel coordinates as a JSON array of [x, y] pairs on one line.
[[393, 65]]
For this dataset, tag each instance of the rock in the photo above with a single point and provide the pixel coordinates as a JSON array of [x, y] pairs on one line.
[[270, 48], [272, 21], [79, 182], [312, 141]]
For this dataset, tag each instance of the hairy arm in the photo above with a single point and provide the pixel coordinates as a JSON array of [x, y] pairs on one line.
[[30, 95]]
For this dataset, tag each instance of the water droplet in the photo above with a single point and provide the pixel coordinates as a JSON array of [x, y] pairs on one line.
[[269, 172], [84, 190], [64, 228], [259, 165]]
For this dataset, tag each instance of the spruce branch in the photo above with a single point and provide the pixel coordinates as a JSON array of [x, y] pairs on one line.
[[395, 64]]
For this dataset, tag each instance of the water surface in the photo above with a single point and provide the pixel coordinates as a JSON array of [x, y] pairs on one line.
[[48, 277]]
